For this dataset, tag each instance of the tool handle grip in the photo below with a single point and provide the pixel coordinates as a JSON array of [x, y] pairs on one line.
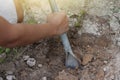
[[53, 6], [64, 37]]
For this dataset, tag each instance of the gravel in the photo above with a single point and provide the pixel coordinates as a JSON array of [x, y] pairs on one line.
[[31, 62]]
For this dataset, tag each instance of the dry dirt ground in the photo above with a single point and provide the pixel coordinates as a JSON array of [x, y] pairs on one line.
[[96, 41], [95, 53], [92, 50]]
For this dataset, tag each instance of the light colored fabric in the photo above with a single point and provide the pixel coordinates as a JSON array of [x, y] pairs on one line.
[[8, 10]]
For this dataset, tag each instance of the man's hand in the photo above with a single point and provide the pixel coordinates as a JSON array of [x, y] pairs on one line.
[[59, 22]]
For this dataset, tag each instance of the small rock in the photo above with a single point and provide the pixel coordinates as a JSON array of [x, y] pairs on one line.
[[25, 57], [10, 77], [87, 58], [105, 62], [44, 78], [31, 62], [104, 69], [1, 78], [40, 65]]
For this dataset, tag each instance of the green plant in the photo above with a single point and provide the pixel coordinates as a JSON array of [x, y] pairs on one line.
[[80, 18], [4, 50]]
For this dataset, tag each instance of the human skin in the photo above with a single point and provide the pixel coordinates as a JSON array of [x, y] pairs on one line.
[[13, 35]]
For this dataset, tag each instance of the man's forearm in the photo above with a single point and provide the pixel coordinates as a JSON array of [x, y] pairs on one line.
[[12, 35], [23, 34]]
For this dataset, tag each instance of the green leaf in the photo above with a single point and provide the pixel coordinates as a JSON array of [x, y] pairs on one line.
[[7, 50], [1, 50]]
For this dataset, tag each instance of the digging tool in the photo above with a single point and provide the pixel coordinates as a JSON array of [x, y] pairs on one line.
[[71, 59]]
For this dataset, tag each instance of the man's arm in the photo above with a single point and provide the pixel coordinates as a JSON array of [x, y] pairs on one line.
[[12, 35]]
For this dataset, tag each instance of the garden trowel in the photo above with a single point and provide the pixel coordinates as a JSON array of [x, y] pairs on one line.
[[71, 60]]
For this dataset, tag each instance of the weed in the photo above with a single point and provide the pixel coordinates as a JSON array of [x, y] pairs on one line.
[[4, 52]]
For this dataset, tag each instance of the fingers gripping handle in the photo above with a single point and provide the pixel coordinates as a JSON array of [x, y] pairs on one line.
[[64, 37]]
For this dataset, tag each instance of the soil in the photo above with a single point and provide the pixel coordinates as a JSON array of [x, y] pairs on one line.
[[96, 42], [91, 50]]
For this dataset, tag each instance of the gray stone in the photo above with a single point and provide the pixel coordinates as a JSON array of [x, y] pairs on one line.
[[31, 62], [44, 78], [40, 65], [1, 78], [26, 57], [10, 77]]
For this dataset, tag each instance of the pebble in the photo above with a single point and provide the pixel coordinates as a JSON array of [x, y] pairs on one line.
[[106, 69], [25, 58], [1, 78], [44, 78], [40, 65], [105, 62], [31, 62], [10, 77]]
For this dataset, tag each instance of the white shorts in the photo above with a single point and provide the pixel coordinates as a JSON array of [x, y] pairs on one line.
[[8, 10]]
